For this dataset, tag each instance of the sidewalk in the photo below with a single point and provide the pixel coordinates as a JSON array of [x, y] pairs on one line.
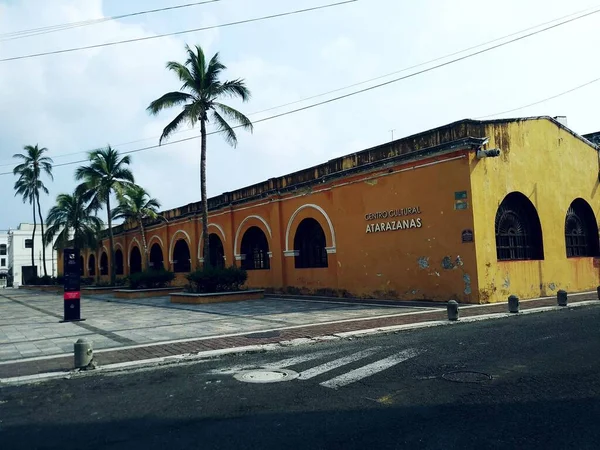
[[281, 335]]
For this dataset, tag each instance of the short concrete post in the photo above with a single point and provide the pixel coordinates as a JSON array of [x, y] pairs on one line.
[[513, 304], [452, 310], [561, 296], [598, 292], [83, 353]]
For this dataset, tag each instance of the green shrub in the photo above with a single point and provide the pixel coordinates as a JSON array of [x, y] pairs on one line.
[[217, 279], [151, 279]]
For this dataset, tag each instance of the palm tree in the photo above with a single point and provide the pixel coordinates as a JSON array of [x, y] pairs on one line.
[[106, 172], [25, 186], [135, 205], [199, 96], [34, 160], [72, 218]]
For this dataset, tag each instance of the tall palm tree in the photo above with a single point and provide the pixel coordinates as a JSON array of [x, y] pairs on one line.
[[106, 172], [135, 205], [25, 186], [72, 218], [200, 95], [34, 160]]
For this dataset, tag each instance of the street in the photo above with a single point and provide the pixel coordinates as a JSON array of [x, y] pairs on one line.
[[520, 382]]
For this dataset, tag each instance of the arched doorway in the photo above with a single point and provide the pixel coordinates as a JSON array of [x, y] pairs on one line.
[[310, 242], [103, 264], [92, 266], [81, 266], [119, 262], [217, 253], [156, 257], [581, 230], [518, 230], [181, 257], [135, 260], [255, 250]]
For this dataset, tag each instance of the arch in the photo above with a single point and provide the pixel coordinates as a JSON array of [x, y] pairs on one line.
[[310, 245], [135, 260], [118, 245], [239, 229], [181, 257], [518, 230], [200, 242], [92, 265], [156, 257], [172, 246], [254, 250], [81, 265], [156, 237], [217, 251], [104, 264], [581, 230], [331, 249], [119, 261], [133, 242]]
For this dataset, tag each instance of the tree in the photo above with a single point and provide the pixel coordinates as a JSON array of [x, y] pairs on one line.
[[200, 95], [34, 162], [72, 218], [106, 172], [135, 205], [25, 187]]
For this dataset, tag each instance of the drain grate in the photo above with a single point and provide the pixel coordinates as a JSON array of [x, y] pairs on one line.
[[466, 376], [266, 376]]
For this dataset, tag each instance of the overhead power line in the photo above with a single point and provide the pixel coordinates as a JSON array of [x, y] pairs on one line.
[[540, 101], [67, 26], [370, 88], [177, 33]]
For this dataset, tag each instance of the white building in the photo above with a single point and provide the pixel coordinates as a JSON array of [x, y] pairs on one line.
[[3, 258], [19, 250]]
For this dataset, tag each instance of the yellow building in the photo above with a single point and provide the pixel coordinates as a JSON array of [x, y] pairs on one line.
[[474, 210]]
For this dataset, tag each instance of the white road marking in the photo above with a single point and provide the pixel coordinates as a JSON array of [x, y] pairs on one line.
[[278, 364], [369, 369], [318, 370]]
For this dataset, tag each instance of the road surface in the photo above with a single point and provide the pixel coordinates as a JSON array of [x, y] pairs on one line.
[[522, 382]]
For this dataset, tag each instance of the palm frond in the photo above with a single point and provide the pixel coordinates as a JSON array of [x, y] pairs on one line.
[[183, 73], [182, 117], [233, 114], [234, 88], [224, 128], [169, 100]]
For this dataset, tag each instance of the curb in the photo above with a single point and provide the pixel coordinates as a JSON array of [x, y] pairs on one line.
[[192, 358]]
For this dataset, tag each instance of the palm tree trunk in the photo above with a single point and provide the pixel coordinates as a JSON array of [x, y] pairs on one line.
[[203, 198], [111, 243], [145, 244], [43, 243], [33, 240]]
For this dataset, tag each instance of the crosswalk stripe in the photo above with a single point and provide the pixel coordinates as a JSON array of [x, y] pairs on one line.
[[278, 364], [318, 370], [369, 369]]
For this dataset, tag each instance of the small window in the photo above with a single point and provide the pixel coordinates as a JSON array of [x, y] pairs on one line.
[[28, 243], [2, 249], [3, 262]]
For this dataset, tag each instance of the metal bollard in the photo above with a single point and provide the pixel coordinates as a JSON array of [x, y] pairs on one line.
[[513, 304], [561, 297], [83, 353], [452, 310], [598, 292]]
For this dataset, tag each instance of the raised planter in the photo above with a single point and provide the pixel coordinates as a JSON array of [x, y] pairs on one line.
[[218, 297], [94, 290], [145, 293], [43, 287]]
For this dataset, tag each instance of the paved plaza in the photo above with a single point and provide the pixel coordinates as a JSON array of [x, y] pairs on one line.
[[30, 321]]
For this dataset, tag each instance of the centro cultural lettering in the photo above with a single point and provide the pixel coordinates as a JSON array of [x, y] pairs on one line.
[[393, 213]]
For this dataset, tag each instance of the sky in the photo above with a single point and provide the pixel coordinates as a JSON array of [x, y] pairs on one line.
[[75, 102]]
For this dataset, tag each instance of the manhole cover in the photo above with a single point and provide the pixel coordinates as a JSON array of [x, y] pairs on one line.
[[466, 376], [266, 376], [266, 334]]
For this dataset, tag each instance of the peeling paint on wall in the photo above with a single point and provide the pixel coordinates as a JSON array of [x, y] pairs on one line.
[[447, 263], [467, 280], [371, 182], [506, 284], [423, 262], [459, 262], [552, 286]]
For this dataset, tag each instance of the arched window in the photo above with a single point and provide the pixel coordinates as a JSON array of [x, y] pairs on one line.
[[309, 242], [103, 264], [156, 258], [181, 257], [135, 260], [92, 265], [217, 252], [119, 262], [81, 266], [255, 249], [581, 230], [518, 230]]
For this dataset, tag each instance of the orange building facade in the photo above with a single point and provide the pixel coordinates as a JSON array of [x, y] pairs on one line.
[[451, 213]]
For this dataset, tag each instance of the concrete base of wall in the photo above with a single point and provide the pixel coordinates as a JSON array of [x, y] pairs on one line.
[[217, 297], [145, 293], [97, 290], [43, 288]]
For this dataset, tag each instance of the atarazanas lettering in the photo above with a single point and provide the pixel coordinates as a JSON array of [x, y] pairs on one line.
[[394, 225]]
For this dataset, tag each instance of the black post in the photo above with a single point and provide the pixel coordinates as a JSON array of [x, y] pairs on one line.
[[72, 295], [561, 297], [513, 304]]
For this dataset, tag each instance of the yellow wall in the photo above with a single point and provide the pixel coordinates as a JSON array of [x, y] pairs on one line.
[[552, 168]]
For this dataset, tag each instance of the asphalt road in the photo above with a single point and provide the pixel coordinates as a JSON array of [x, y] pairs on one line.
[[379, 392]]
